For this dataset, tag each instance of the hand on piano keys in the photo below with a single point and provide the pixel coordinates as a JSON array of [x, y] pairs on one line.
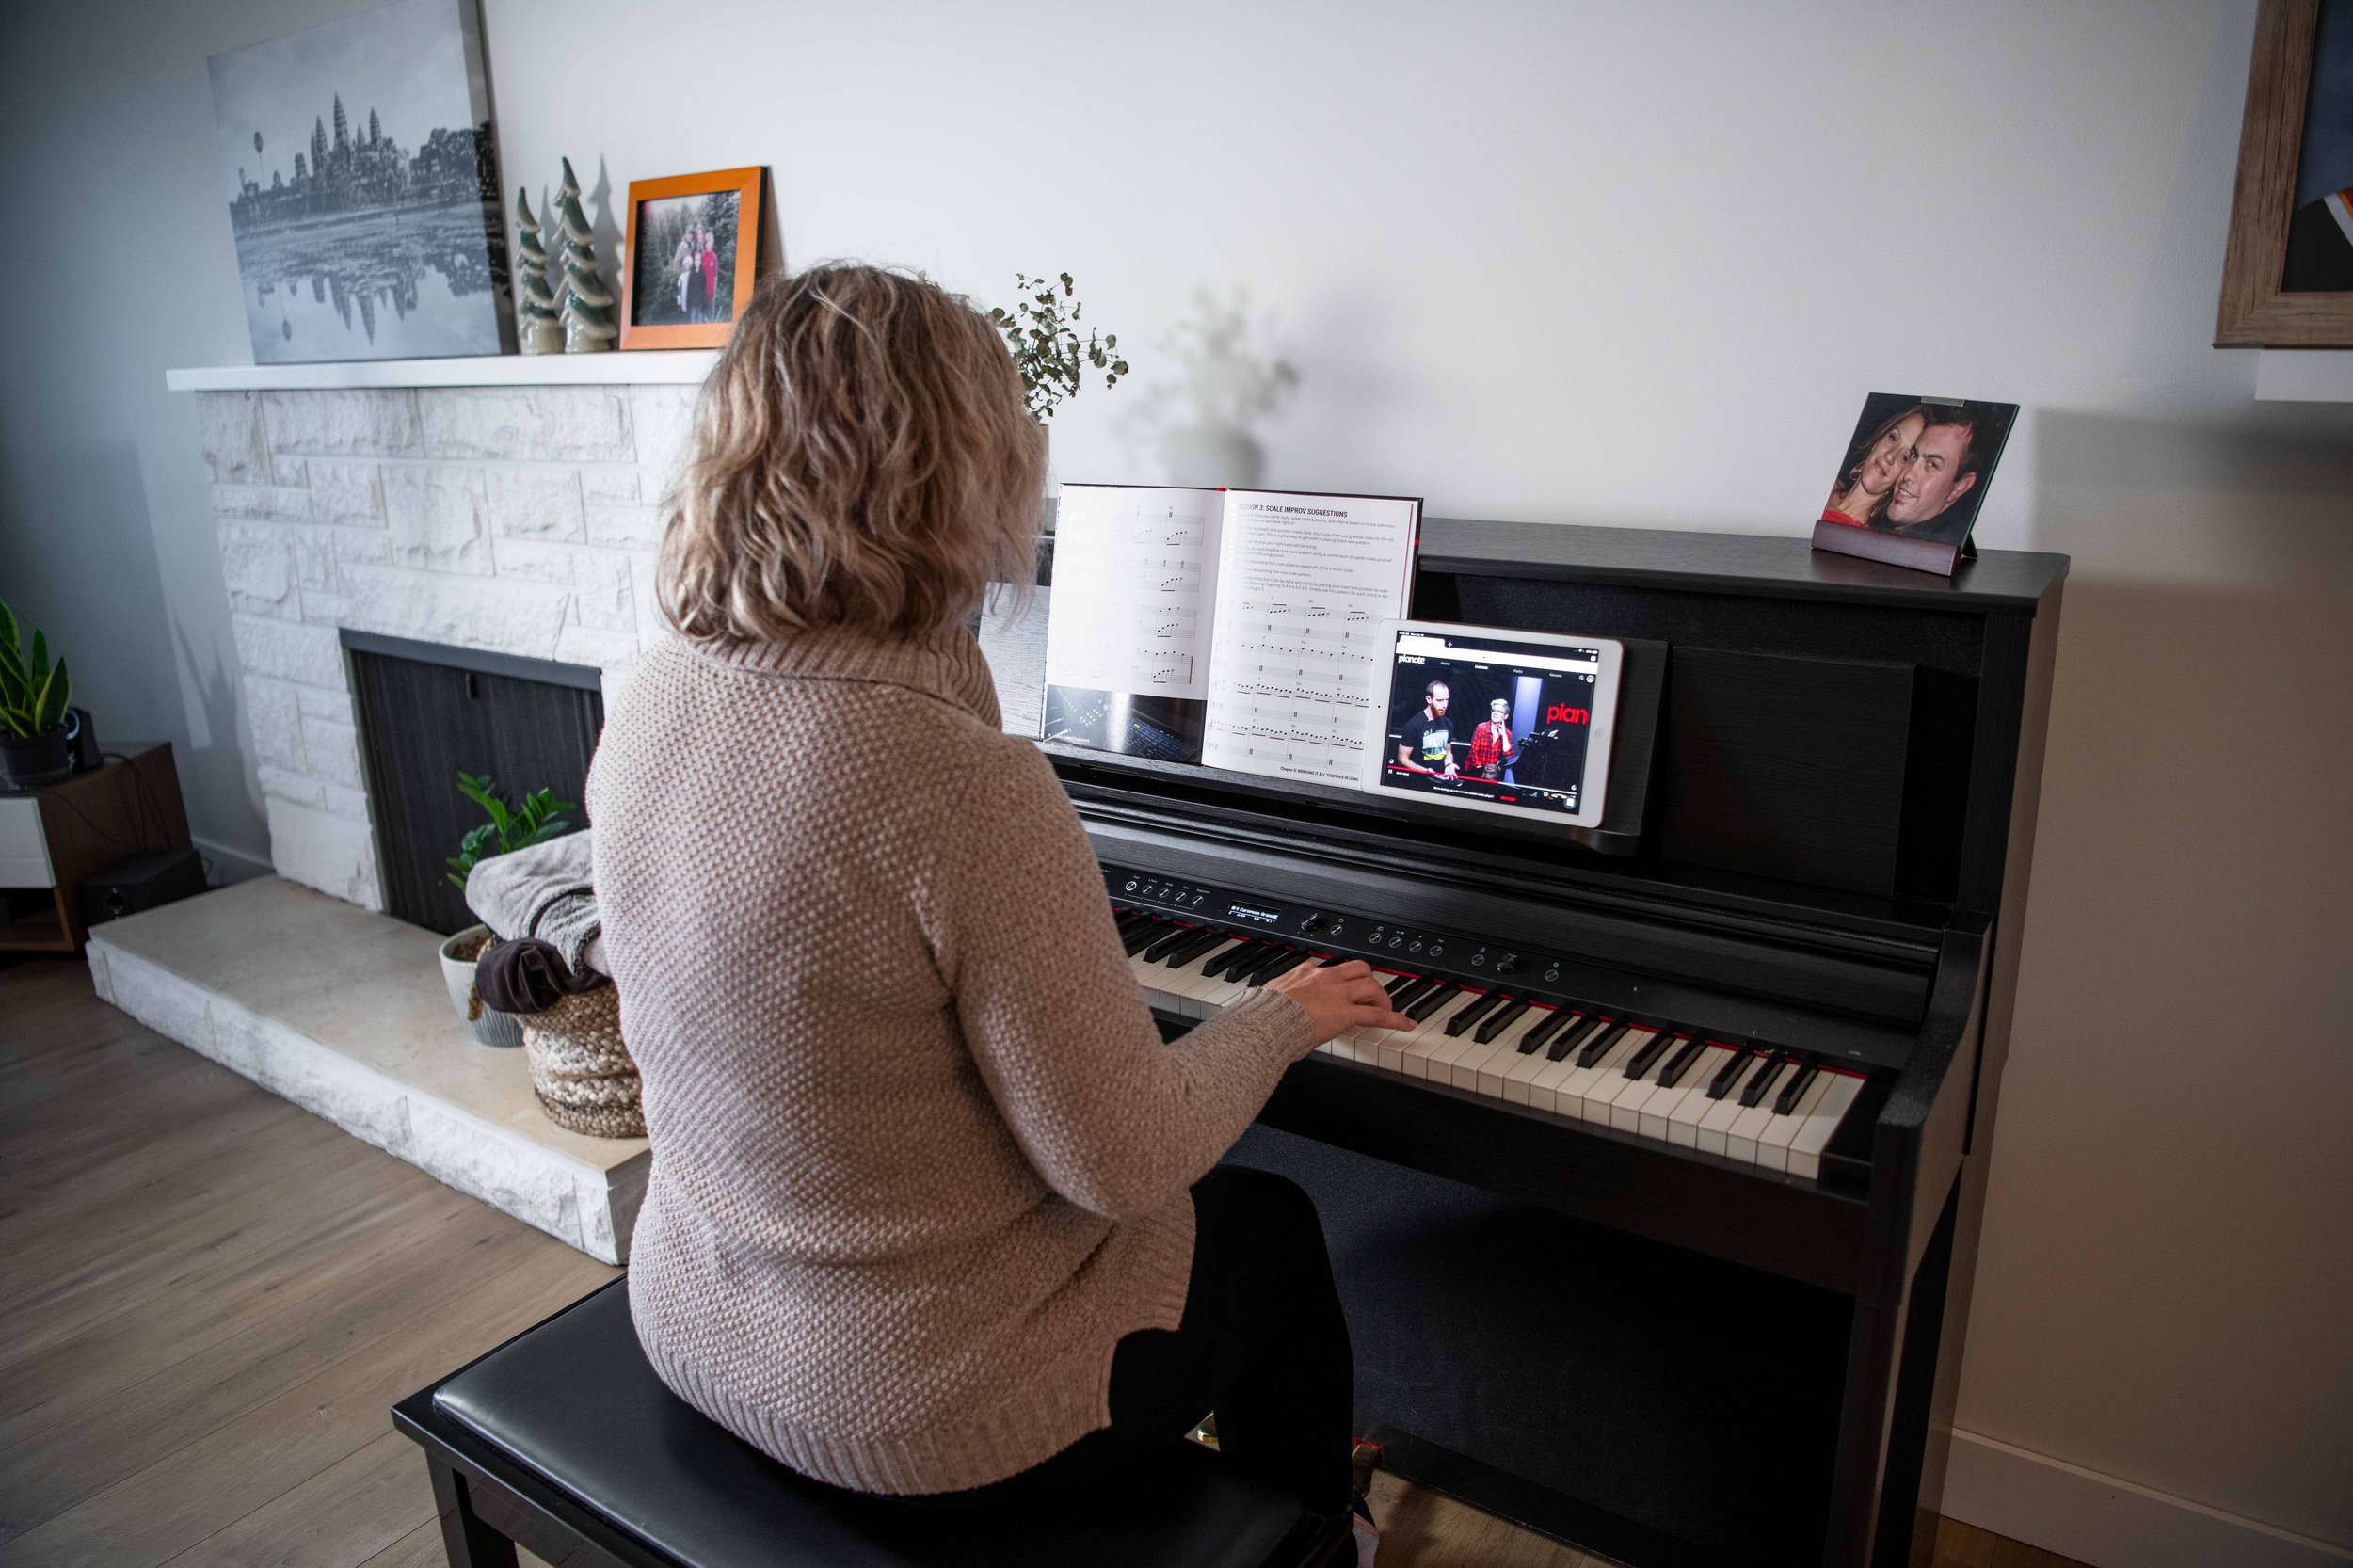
[[1770, 1109]]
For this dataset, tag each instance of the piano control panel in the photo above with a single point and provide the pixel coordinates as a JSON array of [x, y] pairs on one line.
[[1386, 943]]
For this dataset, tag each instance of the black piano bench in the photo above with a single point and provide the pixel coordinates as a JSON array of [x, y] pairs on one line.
[[563, 1441]]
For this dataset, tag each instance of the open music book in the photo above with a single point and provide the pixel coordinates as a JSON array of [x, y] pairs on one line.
[[1242, 629]]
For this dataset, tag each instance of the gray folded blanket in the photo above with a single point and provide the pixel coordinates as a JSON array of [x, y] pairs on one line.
[[547, 891]]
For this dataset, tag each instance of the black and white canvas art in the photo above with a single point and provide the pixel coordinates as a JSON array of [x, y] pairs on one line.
[[364, 187]]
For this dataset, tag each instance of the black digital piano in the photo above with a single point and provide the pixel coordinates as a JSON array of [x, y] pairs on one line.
[[1657, 1234]]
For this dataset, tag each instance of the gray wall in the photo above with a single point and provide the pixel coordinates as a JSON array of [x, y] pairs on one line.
[[1624, 262]]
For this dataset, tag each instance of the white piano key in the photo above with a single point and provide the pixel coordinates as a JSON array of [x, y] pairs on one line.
[[1720, 1114], [1409, 1048], [1494, 1073], [1659, 1112], [1772, 1144], [1544, 1090], [1434, 1055], [1602, 1094], [1570, 1096], [1467, 1066], [1741, 1136], [1517, 1076], [1805, 1149], [1746, 1120], [1626, 1111]]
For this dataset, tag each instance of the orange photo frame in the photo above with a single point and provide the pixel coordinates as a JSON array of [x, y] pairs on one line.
[[667, 303]]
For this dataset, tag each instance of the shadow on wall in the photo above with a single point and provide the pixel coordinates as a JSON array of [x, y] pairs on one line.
[[1200, 424], [2156, 1299], [215, 758]]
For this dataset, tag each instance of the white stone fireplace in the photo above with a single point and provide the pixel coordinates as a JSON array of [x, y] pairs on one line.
[[517, 519], [501, 505]]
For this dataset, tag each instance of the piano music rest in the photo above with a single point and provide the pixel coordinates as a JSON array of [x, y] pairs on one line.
[[563, 1441]]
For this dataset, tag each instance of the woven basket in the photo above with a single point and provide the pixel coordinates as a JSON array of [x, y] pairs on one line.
[[579, 1068]]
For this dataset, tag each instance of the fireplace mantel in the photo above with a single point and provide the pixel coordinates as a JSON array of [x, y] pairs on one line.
[[684, 367]]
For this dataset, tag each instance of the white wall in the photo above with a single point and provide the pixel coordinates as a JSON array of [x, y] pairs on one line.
[[1622, 264]]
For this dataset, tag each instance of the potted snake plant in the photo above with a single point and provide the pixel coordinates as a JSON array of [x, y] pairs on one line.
[[34, 748], [510, 828]]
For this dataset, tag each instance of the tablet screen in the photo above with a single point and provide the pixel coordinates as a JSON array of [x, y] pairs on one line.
[[1511, 722]]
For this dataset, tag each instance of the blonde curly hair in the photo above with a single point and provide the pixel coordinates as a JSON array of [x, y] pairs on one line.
[[860, 457]]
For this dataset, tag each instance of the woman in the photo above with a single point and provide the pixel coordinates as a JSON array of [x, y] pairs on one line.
[[708, 261], [932, 1209], [1862, 489]]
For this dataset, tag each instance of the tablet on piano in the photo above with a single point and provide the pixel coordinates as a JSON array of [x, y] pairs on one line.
[[1516, 723]]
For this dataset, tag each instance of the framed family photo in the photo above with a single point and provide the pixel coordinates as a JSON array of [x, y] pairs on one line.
[[2287, 273], [1914, 473], [694, 250]]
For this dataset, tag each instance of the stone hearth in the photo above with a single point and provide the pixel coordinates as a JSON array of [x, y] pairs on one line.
[[343, 1012]]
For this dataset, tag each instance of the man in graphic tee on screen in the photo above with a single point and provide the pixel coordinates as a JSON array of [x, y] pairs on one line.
[[1492, 746], [1941, 469], [1426, 742]]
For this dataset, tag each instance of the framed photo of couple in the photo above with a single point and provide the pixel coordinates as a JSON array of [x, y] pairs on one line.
[[694, 248], [1913, 475]]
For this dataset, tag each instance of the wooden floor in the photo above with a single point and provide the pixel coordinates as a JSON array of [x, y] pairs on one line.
[[209, 1300]]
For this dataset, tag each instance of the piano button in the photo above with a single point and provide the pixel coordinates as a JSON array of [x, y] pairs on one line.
[[1683, 1122], [1560, 1018], [1492, 1075], [1816, 1125], [1730, 1074], [1794, 1091], [1761, 1082], [1642, 1062], [1602, 1045], [1659, 1112], [1463, 1017], [1723, 1112], [1772, 1144], [1500, 1021], [1693, 1047], [1583, 1030]]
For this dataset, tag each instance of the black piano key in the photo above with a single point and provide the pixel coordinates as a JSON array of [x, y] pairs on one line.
[[1144, 935], [1671, 1074], [1431, 999], [1281, 961], [1241, 961], [1534, 1039], [1404, 983], [1502, 1020], [1176, 936], [1721, 1085], [1405, 996], [1128, 920], [1185, 952], [1472, 1013], [1795, 1088], [1602, 1044], [1585, 1026], [1762, 1079], [1653, 1048]]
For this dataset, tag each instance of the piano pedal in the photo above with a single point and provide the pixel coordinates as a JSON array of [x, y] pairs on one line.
[[1363, 1460]]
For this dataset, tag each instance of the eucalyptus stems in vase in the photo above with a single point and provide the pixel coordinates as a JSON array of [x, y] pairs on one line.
[[1041, 330]]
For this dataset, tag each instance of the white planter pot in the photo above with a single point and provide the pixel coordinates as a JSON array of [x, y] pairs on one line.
[[490, 1029]]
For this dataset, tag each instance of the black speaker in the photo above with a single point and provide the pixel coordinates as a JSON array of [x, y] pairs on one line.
[[142, 882], [81, 740]]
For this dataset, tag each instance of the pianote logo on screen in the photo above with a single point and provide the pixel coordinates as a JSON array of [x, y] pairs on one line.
[[1560, 713], [1243, 912]]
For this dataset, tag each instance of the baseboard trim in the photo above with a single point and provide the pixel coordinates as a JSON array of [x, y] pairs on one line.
[[2107, 1522]]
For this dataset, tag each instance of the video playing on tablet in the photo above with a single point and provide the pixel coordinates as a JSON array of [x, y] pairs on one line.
[[1512, 722]]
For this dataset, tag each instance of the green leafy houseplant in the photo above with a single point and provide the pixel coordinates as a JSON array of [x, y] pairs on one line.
[[33, 692], [510, 827], [1042, 332]]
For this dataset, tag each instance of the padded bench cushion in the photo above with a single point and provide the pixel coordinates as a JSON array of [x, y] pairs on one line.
[[575, 1401]]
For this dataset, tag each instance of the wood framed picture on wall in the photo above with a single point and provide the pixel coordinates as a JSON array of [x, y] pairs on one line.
[[693, 247], [2288, 276]]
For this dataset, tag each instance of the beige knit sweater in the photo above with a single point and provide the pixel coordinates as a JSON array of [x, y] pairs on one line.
[[919, 1156]]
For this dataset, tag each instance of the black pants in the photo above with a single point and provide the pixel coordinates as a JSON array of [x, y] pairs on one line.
[[1262, 1343]]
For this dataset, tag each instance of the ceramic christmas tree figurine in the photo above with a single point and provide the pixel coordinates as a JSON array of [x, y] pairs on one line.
[[585, 303], [534, 307]]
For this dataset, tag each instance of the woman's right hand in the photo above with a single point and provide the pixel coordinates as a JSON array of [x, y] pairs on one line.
[[1337, 998]]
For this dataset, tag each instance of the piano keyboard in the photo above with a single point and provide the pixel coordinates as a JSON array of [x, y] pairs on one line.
[[1772, 1108]]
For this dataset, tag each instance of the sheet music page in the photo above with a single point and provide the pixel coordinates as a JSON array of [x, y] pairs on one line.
[[1127, 644], [1305, 586]]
